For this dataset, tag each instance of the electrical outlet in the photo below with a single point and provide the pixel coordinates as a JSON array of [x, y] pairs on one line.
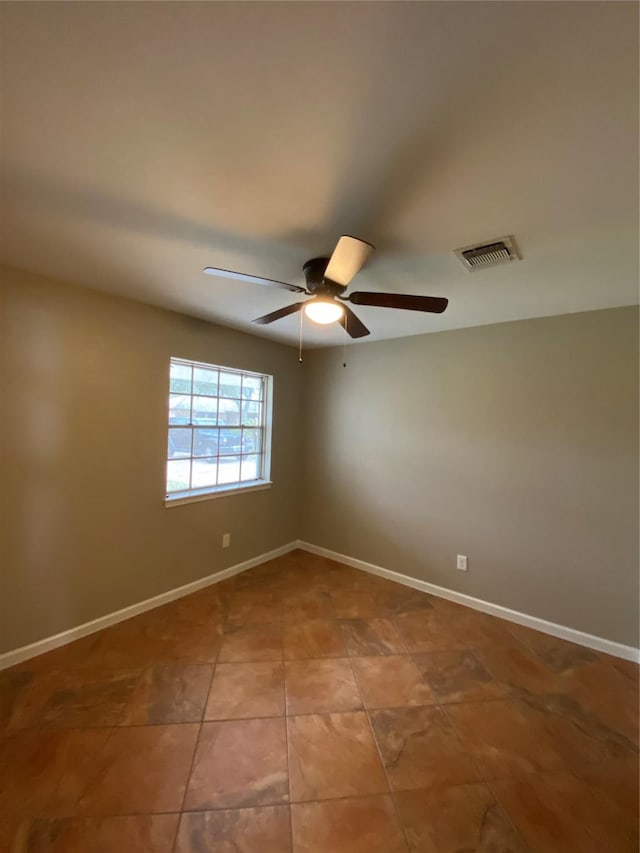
[[226, 540], [461, 563]]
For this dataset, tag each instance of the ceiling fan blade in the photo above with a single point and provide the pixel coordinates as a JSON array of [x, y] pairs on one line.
[[254, 279], [277, 315], [348, 258], [352, 325], [433, 304]]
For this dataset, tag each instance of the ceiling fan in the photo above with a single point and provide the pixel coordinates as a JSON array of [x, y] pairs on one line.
[[327, 279]]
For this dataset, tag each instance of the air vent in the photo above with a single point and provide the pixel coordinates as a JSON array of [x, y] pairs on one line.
[[499, 251]]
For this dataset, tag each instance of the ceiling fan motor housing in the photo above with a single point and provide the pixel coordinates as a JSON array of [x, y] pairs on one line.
[[316, 283]]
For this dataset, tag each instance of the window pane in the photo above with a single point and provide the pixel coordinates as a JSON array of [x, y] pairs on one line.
[[252, 388], [179, 409], [230, 412], [216, 427], [228, 470], [180, 378], [203, 473], [178, 475], [251, 467], [230, 384], [205, 381], [179, 442], [205, 441], [250, 413], [205, 408], [230, 442], [251, 440]]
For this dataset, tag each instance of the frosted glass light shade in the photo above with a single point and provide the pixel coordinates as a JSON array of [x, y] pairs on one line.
[[323, 311]]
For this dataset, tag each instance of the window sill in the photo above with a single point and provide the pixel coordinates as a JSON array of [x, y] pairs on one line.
[[180, 498]]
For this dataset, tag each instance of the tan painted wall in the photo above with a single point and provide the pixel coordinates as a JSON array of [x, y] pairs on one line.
[[515, 444], [83, 397]]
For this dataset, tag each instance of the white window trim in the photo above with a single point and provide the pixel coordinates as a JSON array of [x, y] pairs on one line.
[[210, 492], [180, 498]]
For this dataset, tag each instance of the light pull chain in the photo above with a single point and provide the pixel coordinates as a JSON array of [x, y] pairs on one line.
[[344, 340], [300, 348]]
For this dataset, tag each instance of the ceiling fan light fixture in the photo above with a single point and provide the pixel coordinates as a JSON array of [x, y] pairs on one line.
[[323, 311]]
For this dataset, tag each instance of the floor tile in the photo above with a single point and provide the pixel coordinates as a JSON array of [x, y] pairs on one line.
[[140, 770], [250, 830], [157, 638], [420, 748], [171, 694], [356, 604], [254, 606], [358, 825], [457, 818], [45, 772], [552, 650], [320, 686], [395, 599], [429, 630], [628, 668], [391, 681], [517, 667], [506, 737], [310, 604], [366, 637], [13, 685], [14, 831], [458, 675], [608, 694], [133, 834], [556, 813], [75, 699], [479, 630], [245, 690], [314, 638], [333, 755], [578, 735], [482, 724], [239, 763], [206, 606], [562, 657], [617, 779], [252, 642]]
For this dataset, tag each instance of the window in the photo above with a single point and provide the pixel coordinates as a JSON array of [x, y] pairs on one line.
[[219, 430]]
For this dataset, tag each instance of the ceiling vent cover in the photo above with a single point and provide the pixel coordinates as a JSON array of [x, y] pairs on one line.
[[499, 251]]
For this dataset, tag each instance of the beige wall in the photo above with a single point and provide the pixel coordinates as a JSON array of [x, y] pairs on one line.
[[515, 444], [83, 397]]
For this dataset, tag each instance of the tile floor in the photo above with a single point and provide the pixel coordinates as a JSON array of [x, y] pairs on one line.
[[306, 706]]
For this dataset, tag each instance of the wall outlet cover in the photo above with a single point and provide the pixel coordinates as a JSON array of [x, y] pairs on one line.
[[461, 563]]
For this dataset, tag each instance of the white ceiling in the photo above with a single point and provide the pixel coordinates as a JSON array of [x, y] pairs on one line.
[[144, 141]]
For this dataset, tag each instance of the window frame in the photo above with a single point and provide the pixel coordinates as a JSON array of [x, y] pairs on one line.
[[179, 497]]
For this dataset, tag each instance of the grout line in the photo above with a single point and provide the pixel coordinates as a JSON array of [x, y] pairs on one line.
[[279, 804], [489, 786], [389, 792], [186, 786], [288, 756], [197, 743]]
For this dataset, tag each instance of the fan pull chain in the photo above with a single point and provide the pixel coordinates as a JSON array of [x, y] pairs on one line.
[[344, 341], [300, 348]]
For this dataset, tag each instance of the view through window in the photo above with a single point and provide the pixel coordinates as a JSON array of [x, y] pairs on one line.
[[218, 428]]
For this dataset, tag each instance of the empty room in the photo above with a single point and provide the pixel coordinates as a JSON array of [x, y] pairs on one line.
[[319, 378]]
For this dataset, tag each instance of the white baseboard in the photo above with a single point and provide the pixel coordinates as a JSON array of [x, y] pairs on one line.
[[562, 631], [48, 643], [580, 637]]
